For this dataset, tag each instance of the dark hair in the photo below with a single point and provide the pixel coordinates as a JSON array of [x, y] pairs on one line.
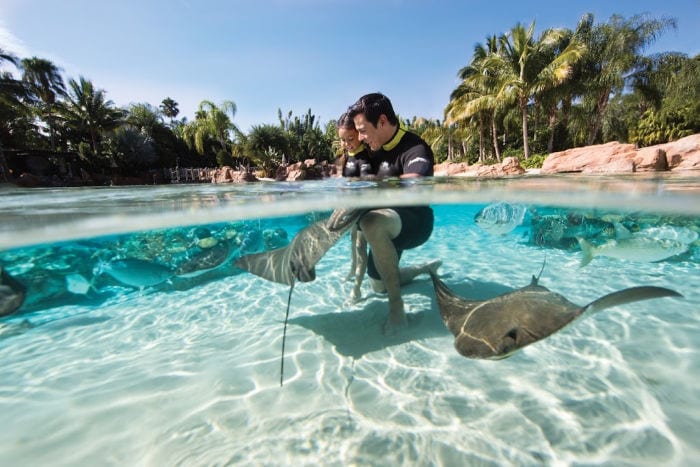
[[345, 121], [372, 106]]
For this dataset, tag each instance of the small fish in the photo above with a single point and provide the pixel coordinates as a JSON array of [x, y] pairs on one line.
[[77, 284], [631, 247], [500, 218], [135, 272]]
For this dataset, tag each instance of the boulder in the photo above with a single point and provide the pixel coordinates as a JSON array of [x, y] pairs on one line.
[[599, 158], [227, 174], [650, 159], [683, 154]]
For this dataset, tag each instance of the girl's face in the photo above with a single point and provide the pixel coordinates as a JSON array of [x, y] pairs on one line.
[[348, 138]]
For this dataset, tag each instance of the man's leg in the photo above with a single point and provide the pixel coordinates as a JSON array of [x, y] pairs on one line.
[[409, 273], [380, 227]]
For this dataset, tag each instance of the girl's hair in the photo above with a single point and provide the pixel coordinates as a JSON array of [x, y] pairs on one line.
[[346, 122]]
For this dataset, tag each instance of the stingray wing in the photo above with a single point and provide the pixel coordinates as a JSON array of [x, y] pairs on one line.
[[273, 265], [452, 307], [296, 261]]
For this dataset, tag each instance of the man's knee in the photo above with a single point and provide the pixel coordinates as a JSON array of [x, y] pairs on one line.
[[380, 222]]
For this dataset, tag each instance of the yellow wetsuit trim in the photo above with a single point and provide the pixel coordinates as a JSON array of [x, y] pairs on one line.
[[359, 149], [395, 140]]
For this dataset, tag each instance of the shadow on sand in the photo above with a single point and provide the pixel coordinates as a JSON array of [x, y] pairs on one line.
[[359, 332]]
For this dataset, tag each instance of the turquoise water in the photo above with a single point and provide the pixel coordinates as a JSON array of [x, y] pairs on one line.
[[139, 342]]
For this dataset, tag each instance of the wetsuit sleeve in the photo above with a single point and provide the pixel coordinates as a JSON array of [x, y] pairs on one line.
[[418, 160]]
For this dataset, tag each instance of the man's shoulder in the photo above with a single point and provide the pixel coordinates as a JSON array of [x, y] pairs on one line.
[[414, 143]]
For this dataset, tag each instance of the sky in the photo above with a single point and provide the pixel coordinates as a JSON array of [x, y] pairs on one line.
[[293, 55]]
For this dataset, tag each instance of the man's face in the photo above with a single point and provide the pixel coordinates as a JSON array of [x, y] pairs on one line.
[[372, 135]]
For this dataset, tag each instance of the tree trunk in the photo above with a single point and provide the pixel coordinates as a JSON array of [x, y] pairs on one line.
[[523, 109], [597, 122], [535, 119], [494, 136], [482, 149], [450, 146], [552, 126]]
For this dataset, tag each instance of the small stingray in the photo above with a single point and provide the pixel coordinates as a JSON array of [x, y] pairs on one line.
[[498, 327], [297, 261]]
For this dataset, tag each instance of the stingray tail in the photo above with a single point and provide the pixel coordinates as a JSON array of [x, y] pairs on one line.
[[284, 333], [633, 294]]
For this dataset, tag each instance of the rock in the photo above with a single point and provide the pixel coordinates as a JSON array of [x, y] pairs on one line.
[[683, 154], [680, 155], [227, 174], [29, 180], [599, 158], [650, 159], [294, 175], [450, 168], [509, 166]]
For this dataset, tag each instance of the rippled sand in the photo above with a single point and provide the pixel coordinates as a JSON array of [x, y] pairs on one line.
[[193, 377]]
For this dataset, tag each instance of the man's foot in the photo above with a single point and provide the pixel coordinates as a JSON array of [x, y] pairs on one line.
[[432, 266], [356, 294]]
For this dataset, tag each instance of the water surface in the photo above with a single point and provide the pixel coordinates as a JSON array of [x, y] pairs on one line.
[[187, 371]]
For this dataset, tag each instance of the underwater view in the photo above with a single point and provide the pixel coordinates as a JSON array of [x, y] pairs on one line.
[[130, 332]]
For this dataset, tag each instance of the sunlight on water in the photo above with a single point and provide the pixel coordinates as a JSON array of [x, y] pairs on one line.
[[96, 369]]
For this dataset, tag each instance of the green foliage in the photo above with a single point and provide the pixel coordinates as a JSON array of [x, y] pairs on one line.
[[132, 149], [305, 137], [534, 162], [662, 127], [224, 158], [266, 146]]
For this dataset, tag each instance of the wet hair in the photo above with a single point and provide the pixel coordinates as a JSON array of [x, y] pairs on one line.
[[372, 106], [345, 122]]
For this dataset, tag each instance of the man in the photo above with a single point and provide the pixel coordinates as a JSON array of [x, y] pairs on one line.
[[389, 231]]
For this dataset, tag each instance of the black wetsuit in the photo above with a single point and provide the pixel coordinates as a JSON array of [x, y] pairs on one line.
[[358, 163], [405, 153]]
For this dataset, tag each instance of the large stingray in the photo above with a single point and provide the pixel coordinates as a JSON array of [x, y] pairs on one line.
[[498, 327]]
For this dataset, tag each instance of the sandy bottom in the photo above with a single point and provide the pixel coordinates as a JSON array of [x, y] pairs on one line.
[[193, 377]]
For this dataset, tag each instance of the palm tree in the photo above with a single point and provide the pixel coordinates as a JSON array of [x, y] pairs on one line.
[[525, 67], [87, 112], [169, 108], [614, 52], [45, 83], [211, 122], [475, 99]]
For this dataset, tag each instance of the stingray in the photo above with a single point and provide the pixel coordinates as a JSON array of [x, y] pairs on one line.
[[297, 261], [498, 327]]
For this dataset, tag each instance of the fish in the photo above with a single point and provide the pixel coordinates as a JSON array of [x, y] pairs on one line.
[[77, 284], [500, 218], [12, 293], [638, 247], [135, 272], [297, 260], [496, 328]]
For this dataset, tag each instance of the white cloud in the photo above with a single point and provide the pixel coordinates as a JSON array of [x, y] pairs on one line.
[[10, 43]]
